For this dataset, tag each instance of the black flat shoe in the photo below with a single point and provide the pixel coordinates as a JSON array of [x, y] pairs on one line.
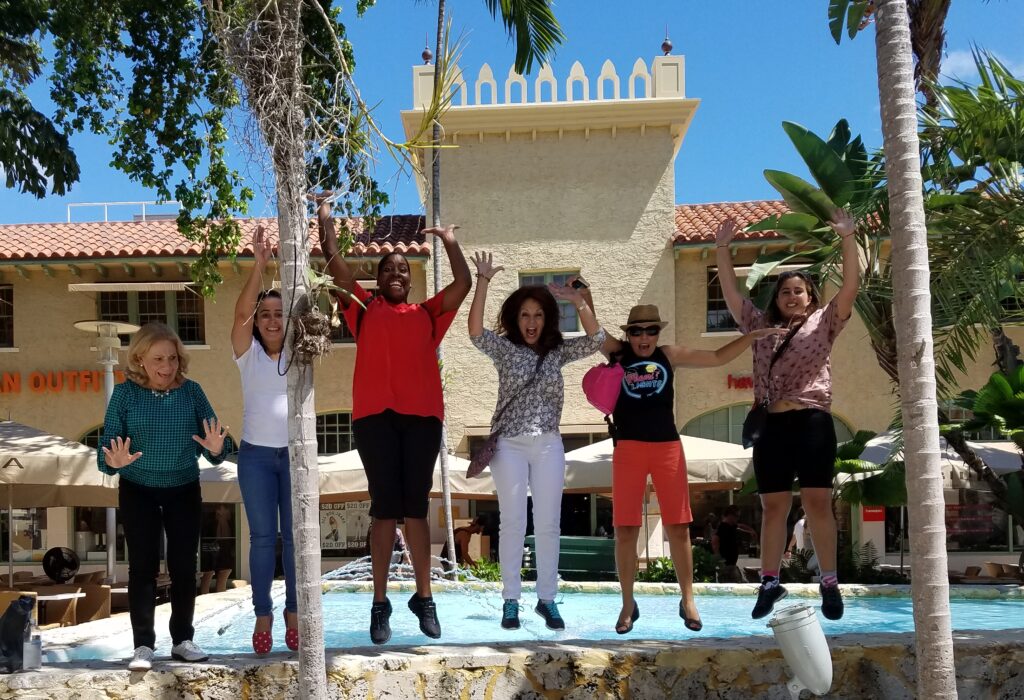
[[692, 624], [626, 629]]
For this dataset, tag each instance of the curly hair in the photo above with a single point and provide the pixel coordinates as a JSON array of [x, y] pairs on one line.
[[273, 294], [772, 312], [142, 341], [508, 318]]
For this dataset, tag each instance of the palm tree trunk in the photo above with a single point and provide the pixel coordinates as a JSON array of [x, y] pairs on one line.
[[936, 677], [440, 62]]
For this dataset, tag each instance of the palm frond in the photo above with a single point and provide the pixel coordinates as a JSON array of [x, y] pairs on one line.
[[533, 27]]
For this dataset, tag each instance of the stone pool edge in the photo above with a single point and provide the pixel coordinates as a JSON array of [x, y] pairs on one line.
[[989, 665]]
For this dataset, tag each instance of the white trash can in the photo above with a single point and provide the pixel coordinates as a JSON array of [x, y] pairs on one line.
[[803, 645]]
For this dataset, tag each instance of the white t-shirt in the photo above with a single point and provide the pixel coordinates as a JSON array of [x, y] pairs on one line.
[[265, 398], [798, 534]]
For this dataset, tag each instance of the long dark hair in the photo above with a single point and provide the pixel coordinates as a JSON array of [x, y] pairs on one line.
[[274, 294], [773, 313], [508, 318]]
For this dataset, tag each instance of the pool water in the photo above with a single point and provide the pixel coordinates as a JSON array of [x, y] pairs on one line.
[[472, 617]]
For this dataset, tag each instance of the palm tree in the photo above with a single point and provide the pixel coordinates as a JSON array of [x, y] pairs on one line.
[[936, 677], [532, 24]]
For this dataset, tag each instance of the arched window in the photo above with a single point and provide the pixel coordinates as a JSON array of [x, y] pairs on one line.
[[91, 438], [334, 433], [726, 425]]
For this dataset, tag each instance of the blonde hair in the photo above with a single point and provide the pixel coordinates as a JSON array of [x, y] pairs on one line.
[[142, 341]]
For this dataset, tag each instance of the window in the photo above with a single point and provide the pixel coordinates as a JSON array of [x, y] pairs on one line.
[[568, 321], [340, 332], [217, 542], [6, 316], [955, 414], [574, 441], [334, 433], [726, 425], [90, 538], [718, 317], [29, 538], [182, 310], [92, 438]]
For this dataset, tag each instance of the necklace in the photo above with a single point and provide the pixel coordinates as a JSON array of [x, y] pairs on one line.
[[160, 393]]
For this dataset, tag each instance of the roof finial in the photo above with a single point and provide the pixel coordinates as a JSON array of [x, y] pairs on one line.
[[666, 45], [427, 54]]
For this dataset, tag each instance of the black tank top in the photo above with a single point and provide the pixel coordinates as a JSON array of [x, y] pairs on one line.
[[646, 406]]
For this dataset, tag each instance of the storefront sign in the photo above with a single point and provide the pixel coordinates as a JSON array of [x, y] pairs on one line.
[[873, 514], [55, 381], [743, 381]]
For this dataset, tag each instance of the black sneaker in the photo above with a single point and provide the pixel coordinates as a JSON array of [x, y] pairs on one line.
[[766, 599], [380, 627], [426, 611], [548, 609], [831, 602], [510, 615]]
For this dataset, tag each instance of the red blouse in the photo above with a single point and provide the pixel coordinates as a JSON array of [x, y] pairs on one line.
[[396, 367]]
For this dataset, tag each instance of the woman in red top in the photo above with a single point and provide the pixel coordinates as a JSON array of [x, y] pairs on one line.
[[397, 406]]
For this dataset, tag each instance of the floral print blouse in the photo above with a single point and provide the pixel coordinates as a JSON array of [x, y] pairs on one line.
[[538, 408]]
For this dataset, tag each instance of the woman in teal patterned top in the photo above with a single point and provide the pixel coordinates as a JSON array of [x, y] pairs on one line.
[[156, 426]]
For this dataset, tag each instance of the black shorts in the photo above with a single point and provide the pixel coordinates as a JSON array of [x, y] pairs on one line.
[[796, 444], [398, 452]]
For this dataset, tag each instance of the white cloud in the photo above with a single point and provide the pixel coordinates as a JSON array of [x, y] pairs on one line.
[[959, 65]]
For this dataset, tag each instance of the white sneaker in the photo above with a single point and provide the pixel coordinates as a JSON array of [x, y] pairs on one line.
[[142, 660], [188, 651]]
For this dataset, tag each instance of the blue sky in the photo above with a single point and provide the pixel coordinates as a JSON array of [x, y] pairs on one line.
[[751, 64]]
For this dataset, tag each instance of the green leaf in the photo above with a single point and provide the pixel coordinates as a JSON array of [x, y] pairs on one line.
[[800, 195], [1015, 495], [839, 139], [764, 266], [855, 16], [791, 222], [827, 168], [836, 16]]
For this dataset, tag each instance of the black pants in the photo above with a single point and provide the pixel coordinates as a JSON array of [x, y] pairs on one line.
[[398, 453], [146, 512]]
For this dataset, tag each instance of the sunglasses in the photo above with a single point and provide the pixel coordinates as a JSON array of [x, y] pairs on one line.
[[637, 331]]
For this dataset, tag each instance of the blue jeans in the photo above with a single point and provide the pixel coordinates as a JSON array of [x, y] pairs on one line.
[[265, 481]]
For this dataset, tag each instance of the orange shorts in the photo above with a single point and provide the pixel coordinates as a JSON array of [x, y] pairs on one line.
[[632, 461]]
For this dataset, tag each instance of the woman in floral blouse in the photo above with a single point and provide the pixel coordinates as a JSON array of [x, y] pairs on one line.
[[528, 351]]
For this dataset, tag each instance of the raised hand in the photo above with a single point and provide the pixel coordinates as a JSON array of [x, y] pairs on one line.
[[842, 223], [485, 266], [726, 232], [261, 248], [213, 440], [445, 233], [120, 454], [565, 292]]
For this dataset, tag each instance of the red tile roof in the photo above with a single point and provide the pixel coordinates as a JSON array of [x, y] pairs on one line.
[[697, 223], [159, 238]]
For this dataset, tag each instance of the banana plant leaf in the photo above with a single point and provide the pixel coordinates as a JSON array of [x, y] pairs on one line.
[[825, 165], [800, 195], [887, 488]]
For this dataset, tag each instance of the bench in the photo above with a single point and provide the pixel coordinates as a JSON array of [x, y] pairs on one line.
[[580, 558]]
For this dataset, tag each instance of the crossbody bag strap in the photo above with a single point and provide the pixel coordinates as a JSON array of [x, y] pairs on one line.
[[501, 411]]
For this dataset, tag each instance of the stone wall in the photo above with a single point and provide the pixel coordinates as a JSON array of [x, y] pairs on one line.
[[989, 665]]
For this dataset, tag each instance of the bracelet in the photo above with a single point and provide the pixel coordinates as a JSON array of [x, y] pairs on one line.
[[480, 274], [722, 246], [582, 305]]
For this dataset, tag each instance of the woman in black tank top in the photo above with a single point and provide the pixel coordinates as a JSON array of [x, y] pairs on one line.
[[647, 443]]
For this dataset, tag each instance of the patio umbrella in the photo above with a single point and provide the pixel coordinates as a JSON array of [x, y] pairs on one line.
[[589, 468], [40, 470], [343, 475], [1001, 456]]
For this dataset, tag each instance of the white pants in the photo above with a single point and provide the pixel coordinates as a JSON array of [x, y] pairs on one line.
[[537, 462]]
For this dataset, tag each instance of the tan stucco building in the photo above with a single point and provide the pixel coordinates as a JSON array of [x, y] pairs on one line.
[[574, 183]]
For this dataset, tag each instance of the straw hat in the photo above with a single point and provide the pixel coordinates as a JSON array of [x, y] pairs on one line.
[[644, 314]]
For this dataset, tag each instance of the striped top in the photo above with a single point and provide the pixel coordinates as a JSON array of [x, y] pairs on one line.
[[161, 426]]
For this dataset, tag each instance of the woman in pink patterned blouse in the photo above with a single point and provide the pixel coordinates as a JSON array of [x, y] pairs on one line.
[[799, 440]]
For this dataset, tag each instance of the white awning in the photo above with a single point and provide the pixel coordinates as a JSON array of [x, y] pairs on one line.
[[130, 287]]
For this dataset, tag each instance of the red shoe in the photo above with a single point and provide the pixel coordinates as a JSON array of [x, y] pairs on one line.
[[291, 635], [262, 642]]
